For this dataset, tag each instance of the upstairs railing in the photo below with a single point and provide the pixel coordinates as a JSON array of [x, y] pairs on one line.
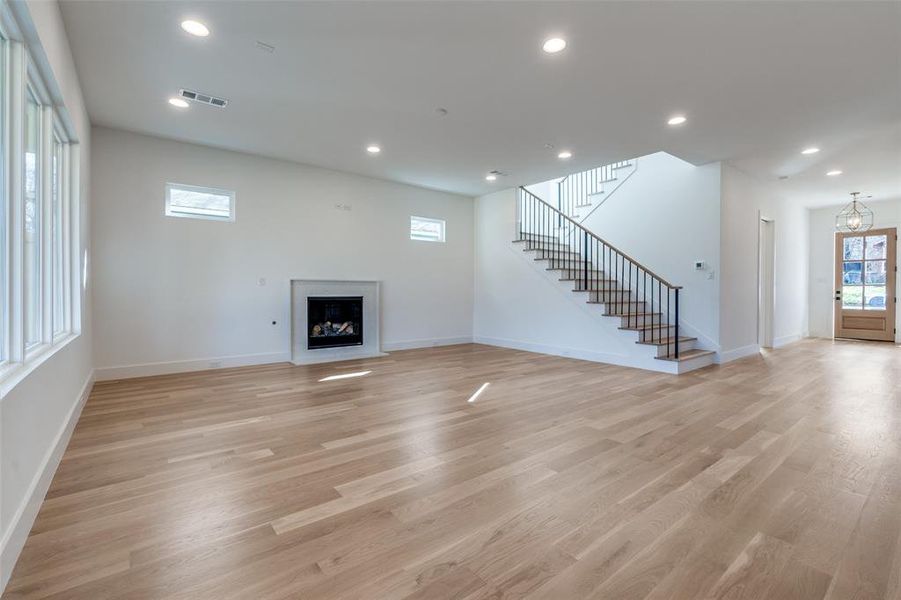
[[642, 299], [573, 190]]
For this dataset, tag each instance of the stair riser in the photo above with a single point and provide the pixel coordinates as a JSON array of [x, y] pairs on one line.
[[575, 267], [655, 334], [609, 296], [640, 320], [624, 306], [683, 347], [549, 246], [596, 279], [555, 255], [538, 238]]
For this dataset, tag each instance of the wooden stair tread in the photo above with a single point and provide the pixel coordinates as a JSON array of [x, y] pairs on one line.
[[686, 355], [665, 341], [639, 314], [553, 254], [649, 326]]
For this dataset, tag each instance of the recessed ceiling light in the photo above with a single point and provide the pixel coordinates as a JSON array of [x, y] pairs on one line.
[[811, 150], [676, 120], [178, 102], [565, 154], [490, 177], [833, 173], [554, 45], [373, 149], [195, 28]]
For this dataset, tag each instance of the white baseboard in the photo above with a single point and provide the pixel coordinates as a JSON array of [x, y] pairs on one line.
[[786, 340], [332, 358], [184, 366], [735, 354], [650, 364], [245, 360], [426, 343], [23, 519]]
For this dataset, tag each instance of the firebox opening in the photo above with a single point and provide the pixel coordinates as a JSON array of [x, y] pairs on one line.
[[334, 321]]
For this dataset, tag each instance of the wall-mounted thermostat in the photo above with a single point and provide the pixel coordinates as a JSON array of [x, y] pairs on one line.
[[700, 265]]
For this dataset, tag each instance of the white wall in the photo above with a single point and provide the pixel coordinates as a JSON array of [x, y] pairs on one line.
[[667, 216], [822, 261], [184, 292], [744, 201], [37, 414]]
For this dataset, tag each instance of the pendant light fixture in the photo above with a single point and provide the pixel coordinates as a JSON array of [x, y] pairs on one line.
[[855, 216]]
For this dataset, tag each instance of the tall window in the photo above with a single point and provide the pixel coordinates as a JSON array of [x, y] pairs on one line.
[[4, 247], [58, 255], [39, 262], [32, 307]]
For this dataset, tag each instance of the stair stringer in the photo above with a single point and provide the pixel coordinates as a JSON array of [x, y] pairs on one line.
[[626, 352]]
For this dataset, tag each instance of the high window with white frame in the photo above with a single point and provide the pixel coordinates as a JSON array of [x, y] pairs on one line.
[[38, 212], [197, 202], [424, 229]]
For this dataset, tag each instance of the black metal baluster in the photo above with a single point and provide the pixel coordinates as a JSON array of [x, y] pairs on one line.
[[585, 249], [676, 323], [629, 296], [659, 304], [667, 319]]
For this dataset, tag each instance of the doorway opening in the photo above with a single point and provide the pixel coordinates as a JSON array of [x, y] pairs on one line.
[[766, 281]]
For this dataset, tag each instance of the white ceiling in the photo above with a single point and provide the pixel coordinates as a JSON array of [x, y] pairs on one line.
[[758, 81]]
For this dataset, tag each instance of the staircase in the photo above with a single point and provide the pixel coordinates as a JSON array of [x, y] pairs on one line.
[[579, 194], [646, 305]]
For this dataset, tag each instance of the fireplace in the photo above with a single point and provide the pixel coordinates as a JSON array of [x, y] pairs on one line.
[[334, 321]]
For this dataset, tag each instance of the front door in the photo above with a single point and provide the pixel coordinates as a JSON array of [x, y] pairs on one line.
[[865, 285]]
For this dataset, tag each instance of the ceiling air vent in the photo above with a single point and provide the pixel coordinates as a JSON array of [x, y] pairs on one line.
[[203, 98]]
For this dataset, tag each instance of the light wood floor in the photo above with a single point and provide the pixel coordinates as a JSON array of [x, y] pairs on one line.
[[772, 477]]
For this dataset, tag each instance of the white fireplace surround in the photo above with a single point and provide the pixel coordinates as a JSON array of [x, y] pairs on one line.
[[301, 289]]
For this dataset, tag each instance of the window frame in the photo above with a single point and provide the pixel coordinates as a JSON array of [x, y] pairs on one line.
[[33, 91], [5, 204], [21, 78], [232, 203], [59, 142], [441, 222]]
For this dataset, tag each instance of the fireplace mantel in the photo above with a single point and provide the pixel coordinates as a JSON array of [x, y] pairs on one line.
[[301, 289]]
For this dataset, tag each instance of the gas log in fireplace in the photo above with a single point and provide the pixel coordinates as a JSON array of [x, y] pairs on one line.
[[334, 321]]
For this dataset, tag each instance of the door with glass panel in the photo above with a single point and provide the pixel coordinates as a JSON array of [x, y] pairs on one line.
[[865, 285]]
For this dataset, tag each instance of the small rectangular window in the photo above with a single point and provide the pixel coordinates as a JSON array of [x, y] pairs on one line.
[[424, 229], [199, 202]]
